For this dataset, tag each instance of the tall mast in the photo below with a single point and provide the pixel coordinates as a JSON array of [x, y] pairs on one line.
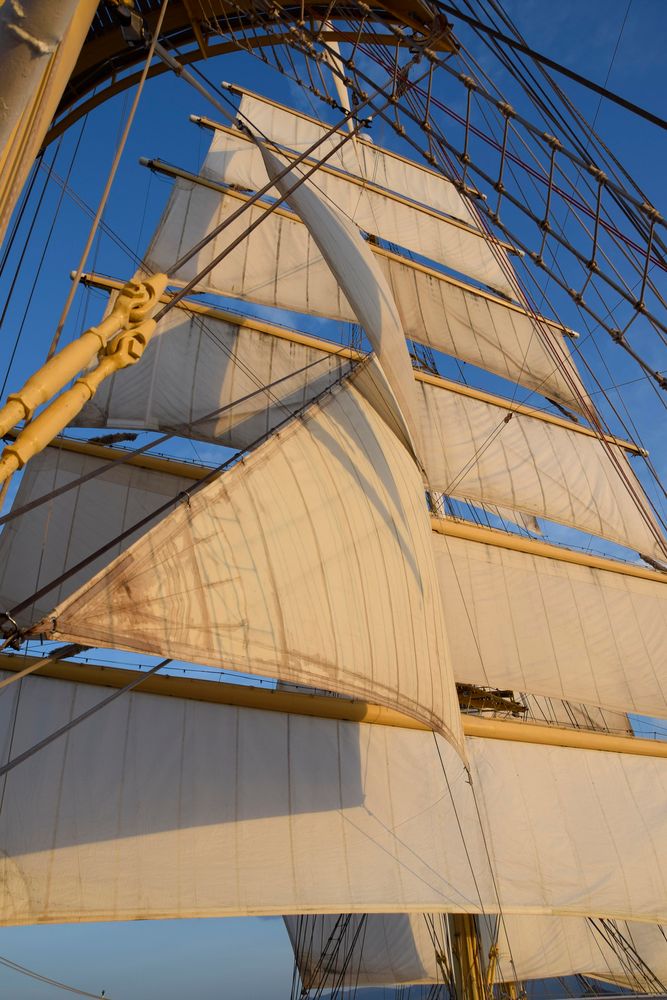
[[468, 978], [40, 41]]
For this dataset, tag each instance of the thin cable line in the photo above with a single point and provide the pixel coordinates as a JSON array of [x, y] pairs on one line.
[[15, 967]]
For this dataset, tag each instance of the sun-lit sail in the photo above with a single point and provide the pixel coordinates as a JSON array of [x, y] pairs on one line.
[[534, 623], [331, 511], [279, 264], [376, 489], [283, 814]]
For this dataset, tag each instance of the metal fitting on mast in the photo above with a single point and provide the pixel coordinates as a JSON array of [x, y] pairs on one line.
[[118, 341]]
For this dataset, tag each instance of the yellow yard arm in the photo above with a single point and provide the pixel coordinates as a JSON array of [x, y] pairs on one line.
[[118, 341]]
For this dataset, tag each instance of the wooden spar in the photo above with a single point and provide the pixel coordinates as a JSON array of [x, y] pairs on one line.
[[325, 707], [531, 546], [317, 343]]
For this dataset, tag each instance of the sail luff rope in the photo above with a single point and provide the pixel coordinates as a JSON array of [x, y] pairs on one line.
[[120, 148]]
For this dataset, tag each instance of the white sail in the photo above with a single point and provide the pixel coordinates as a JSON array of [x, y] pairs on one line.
[[546, 947], [279, 264], [38, 546], [376, 949], [482, 450], [363, 159], [530, 623], [172, 807], [221, 380], [298, 563], [235, 159]]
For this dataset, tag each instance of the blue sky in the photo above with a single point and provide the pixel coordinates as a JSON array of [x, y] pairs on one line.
[[213, 958]]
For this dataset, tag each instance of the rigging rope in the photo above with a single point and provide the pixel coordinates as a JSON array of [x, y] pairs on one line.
[[24, 971], [552, 64]]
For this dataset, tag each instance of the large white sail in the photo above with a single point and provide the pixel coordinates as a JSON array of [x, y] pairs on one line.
[[484, 451], [298, 563], [234, 159], [473, 445], [167, 806], [550, 627], [362, 158], [280, 265]]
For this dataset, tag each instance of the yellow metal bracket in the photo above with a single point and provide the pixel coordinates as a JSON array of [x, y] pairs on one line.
[[118, 341]]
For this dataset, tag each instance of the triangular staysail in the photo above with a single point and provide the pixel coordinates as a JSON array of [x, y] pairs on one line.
[[298, 563], [352, 264]]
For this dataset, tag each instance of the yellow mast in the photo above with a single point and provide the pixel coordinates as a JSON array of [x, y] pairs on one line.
[[468, 979]]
